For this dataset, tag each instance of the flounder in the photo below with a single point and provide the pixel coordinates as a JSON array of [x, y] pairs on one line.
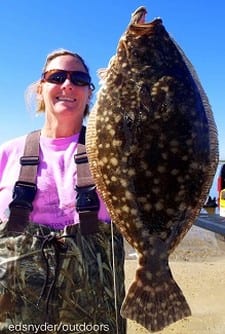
[[153, 151]]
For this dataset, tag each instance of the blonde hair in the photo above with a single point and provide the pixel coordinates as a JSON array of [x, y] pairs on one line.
[[33, 98]]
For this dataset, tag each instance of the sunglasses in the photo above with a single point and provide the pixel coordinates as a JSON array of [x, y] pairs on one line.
[[77, 78]]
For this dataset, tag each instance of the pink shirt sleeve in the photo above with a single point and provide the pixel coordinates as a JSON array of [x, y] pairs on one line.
[[10, 152]]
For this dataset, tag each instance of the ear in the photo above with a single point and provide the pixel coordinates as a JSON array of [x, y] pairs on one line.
[[89, 95], [39, 88]]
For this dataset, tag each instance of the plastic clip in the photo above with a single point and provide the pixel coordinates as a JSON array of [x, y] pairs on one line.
[[87, 199], [23, 195]]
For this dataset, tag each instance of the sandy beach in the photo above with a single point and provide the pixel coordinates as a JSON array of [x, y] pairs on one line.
[[198, 266]]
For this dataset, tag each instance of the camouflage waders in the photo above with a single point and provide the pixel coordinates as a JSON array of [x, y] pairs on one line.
[[61, 278]]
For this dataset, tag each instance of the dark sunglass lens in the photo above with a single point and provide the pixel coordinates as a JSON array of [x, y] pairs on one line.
[[56, 77], [80, 78]]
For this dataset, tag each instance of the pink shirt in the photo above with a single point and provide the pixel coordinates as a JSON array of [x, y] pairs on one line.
[[55, 200]]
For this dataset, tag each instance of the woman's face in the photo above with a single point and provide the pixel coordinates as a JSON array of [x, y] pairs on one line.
[[65, 100]]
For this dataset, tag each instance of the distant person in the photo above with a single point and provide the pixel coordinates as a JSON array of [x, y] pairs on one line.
[[61, 260], [211, 202], [210, 205]]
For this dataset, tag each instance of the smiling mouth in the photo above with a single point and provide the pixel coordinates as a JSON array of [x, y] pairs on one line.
[[65, 99]]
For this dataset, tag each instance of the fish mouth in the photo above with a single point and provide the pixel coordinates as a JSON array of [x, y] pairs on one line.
[[138, 16], [138, 19]]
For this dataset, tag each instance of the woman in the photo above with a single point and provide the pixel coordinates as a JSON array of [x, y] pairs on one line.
[[55, 274]]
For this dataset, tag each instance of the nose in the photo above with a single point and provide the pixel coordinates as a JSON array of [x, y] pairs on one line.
[[67, 84]]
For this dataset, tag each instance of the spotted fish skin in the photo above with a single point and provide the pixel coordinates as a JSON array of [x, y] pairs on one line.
[[153, 152]]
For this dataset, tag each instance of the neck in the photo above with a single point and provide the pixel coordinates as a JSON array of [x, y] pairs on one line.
[[60, 129]]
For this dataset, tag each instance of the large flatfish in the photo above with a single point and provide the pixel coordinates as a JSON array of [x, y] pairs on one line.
[[153, 151]]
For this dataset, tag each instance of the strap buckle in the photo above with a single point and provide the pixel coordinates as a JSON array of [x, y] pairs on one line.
[[81, 158], [23, 195], [31, 160], [87, 199]]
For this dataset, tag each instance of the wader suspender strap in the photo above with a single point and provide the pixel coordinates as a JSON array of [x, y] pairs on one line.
[[25, 188], [87, 198]]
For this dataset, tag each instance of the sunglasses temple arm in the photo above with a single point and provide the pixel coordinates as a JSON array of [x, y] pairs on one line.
[[92, 86]]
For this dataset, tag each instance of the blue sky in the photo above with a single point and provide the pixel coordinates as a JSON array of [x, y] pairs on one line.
[[29, 30]]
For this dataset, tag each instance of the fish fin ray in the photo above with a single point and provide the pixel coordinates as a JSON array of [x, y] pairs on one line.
[[155, 306]]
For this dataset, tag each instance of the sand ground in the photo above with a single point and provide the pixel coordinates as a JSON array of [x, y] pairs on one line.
[[198, 266]]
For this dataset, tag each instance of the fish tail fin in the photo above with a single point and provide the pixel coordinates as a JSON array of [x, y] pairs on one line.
[[154, 302]]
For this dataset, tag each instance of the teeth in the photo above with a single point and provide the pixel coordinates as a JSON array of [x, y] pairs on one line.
[[66, 99]]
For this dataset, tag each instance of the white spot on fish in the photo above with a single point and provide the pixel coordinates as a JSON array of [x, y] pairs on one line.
[[131, 172], [174, 172], [147, 207], [124, 182], [159, 206], [128, 195], [114, 161], [161, 169], [134, 212], [125, 208]]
